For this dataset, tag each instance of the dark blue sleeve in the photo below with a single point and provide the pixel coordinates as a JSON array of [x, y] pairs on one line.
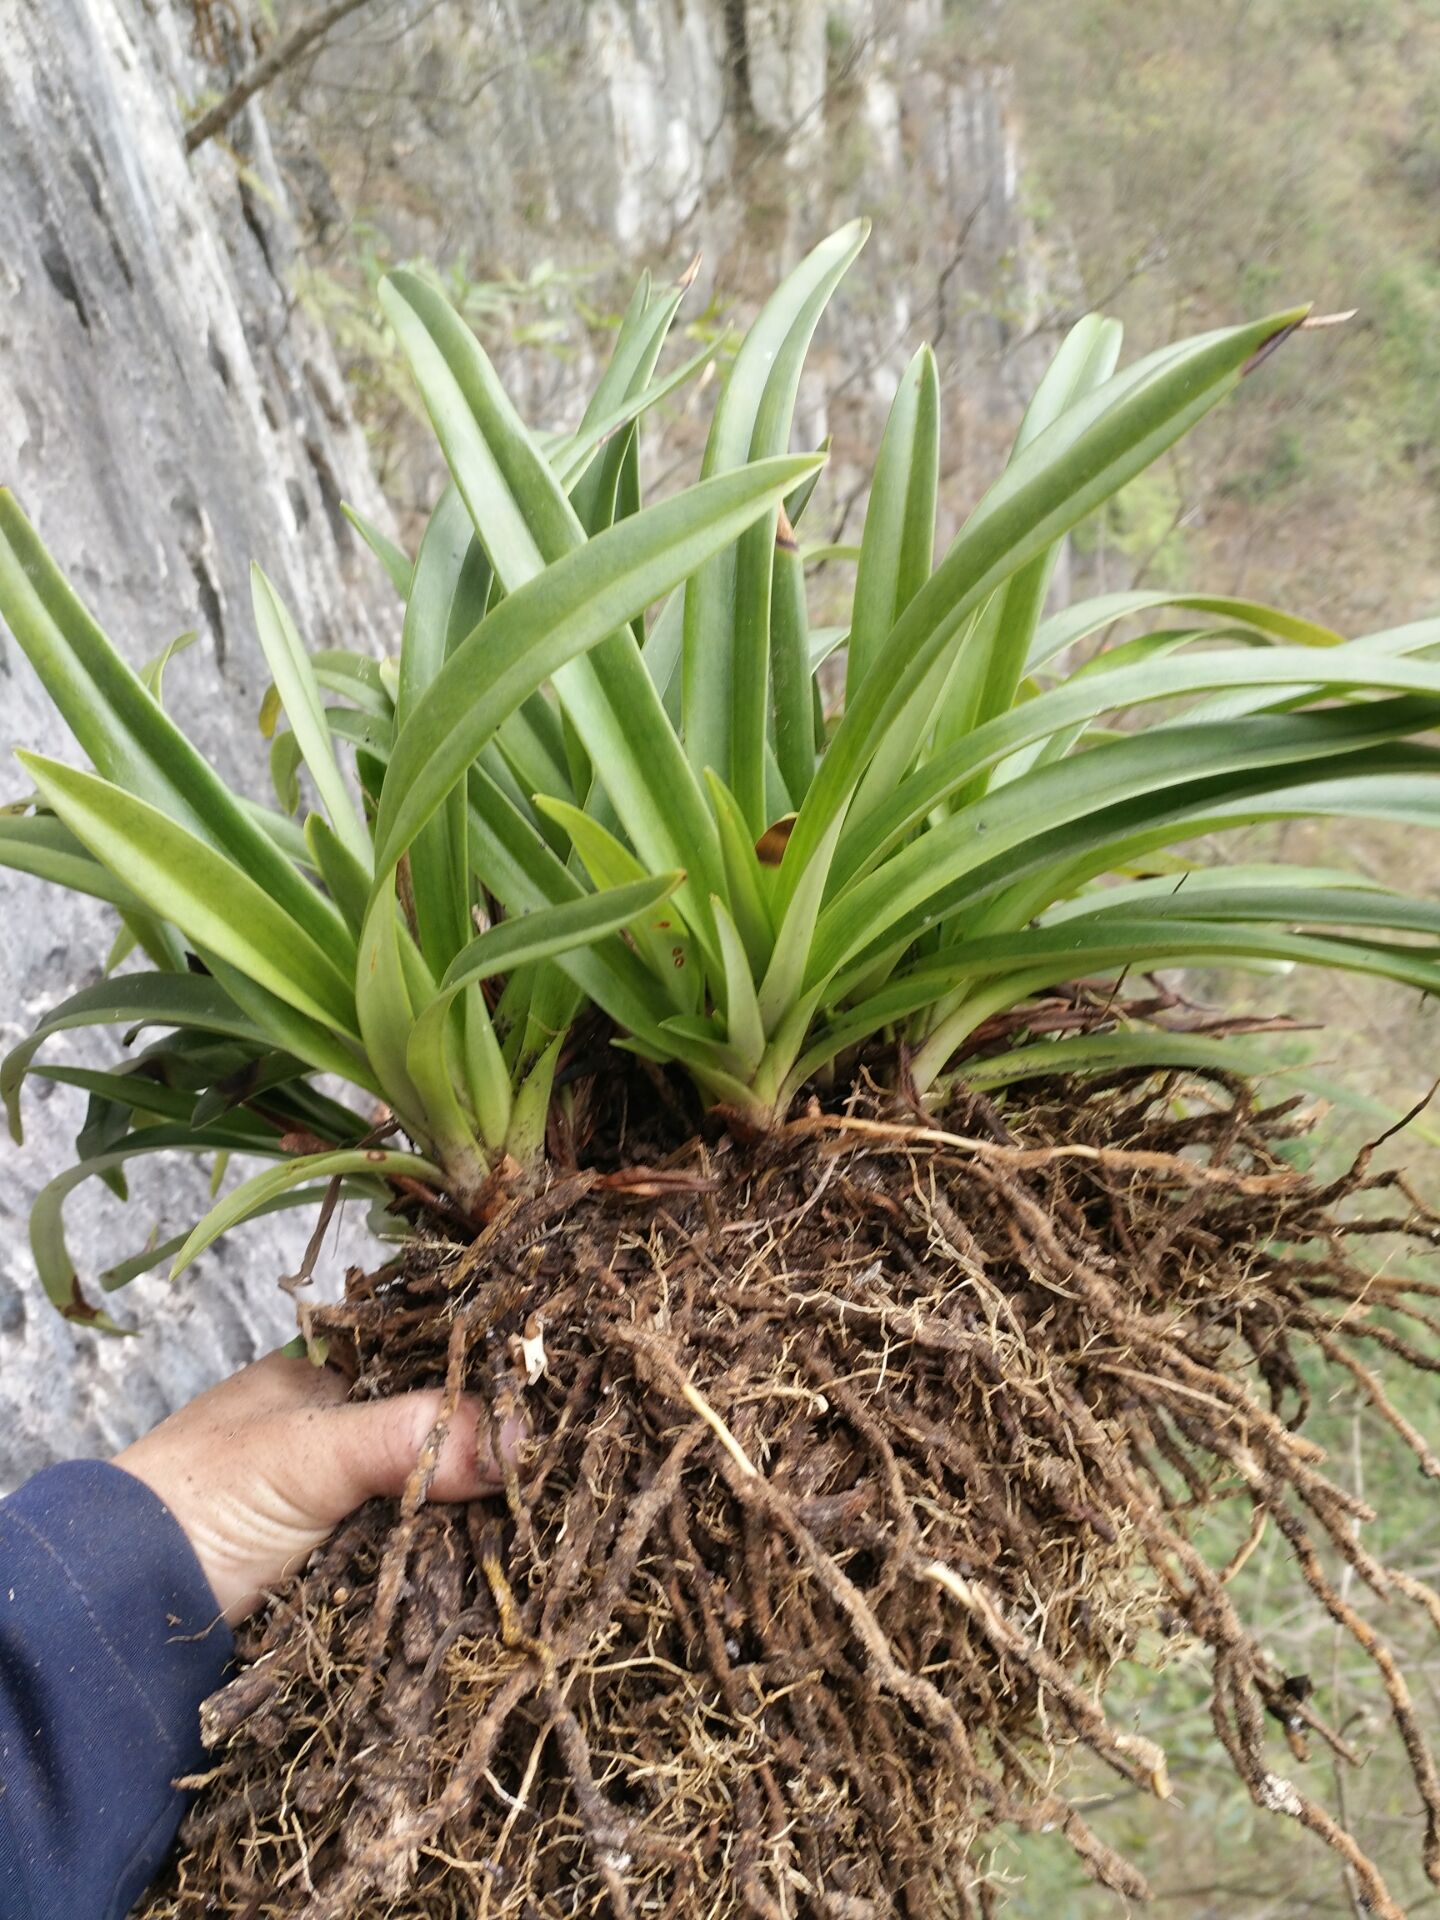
[[109, 1641]]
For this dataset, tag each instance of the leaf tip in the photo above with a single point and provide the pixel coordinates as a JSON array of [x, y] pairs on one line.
[[770, 847], [1284, 325]]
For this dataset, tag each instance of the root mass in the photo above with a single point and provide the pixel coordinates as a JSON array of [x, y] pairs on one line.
[[860, 1455]]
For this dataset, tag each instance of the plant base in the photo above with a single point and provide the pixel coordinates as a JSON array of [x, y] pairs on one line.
[[861, 1455]]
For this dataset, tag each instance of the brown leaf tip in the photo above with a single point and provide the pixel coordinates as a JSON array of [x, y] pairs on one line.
[[770, 847], [1267, 347]]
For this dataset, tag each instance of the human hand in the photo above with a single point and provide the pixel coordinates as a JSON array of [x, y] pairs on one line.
[[261, 1468]]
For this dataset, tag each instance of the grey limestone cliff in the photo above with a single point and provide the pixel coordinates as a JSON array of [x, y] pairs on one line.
[[166, 414]]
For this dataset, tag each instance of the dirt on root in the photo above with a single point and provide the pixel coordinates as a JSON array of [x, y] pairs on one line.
[[860, 1455]]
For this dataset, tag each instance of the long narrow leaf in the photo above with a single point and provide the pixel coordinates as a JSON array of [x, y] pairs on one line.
[[1051, 797], [123, 729], [897, 549], [184, 880], [1074, 465], [300, 696], [377, 1163], [41, 845], [392, 558], [751, 419], [578, 601], [1085, 696]]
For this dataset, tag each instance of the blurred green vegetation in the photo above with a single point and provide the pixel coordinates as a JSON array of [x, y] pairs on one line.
[[533, 310], [1202, 163]]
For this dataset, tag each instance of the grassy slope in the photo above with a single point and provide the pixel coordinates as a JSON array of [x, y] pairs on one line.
[[1206, 161], [1209, 160]]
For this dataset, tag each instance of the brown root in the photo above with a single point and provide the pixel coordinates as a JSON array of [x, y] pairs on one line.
[[863, 1452]]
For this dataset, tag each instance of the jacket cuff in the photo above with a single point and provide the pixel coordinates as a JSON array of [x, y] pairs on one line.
[[114, 1637]]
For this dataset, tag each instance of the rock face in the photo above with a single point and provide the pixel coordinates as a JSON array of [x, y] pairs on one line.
[[663, 113], [166, 414], [582, 133], [785, 51]]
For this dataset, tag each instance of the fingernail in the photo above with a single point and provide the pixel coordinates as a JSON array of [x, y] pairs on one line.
[[511, 1437]]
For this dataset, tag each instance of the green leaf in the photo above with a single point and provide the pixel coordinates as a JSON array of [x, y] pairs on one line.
[[1299, 903], [184, 880], [40, 844], [1189, 880], [124, 731], [727, 612], [309, 1040], [550, 932], [152, 674], [47, 1225], [525, 520], [285, 764], [346, 878], [273, 1075], [1100, 943], [133, 1000], [990, 665], [518, 507], [1393, 782], [530, 1112], [785, 977], [373, 1162], [792, 669], [1114, 1052], [1087, 617], [542, 935], [662, 653], [521, 870], [1086, 695], [897, 551], [159, 1251], [1005, 970], [613, 406], [384, 1004], [576, 602], [743, 1028], [662, 939], [889, 899], [132, 1091], [1069, 469], [747, 881], [392, 558], [300, 697], [573, 463], [439, 860], [356, 677]]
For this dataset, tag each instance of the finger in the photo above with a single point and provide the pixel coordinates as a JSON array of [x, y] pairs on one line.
[[371, 1448], [470, 1452]]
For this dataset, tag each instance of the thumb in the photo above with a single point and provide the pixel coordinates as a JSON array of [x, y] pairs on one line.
[[373, 1447]]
